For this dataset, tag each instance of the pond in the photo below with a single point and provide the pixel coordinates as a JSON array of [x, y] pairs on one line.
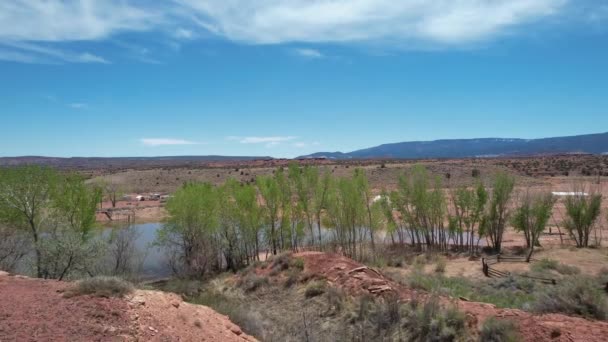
[[153, 263]]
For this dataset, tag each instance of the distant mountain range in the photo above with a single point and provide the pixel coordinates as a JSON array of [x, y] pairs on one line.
[[484, 147], [449, 148]]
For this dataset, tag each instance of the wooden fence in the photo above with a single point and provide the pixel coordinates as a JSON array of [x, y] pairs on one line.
[[492, 272]]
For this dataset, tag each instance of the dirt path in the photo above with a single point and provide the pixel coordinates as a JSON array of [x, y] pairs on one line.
[[358, 279], [35, 310]]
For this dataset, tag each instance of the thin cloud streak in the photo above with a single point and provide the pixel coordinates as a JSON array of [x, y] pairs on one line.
[[153, 142], [78, 105], [308, 53], [271, 140]]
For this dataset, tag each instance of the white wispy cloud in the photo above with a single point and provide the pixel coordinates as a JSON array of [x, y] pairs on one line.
[[273, 140], [37, 53], [166, 141], [72, 20], [78, 105], [440, 21], [308, 53], [42, 24], [182, 33]]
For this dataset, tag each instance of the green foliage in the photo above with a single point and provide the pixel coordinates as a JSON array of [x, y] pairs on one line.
[[421, 202], [251, 282], [544, 265], [297, 263], [429, 321], [582, 212], [345, 211], [579, 296], [440, 265], [495, 220], [510, 292], [191, 229], [100, 287], [498, 330], [58, 214], [315, 288], [468, 206], [531, 218], [271, 195]]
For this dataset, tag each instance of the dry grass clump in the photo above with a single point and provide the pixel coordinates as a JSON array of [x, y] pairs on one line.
[[252, 282], [549, 264], [315, 288], [100, 286], [440, 265], [498, 330]]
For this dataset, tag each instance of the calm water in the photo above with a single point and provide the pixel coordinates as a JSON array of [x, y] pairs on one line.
[[154, 263]]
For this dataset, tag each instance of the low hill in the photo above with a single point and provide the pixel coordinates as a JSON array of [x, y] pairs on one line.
[[483, 147], [122, 162], [37, 310]]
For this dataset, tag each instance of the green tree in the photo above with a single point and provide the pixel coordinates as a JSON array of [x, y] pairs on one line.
[[366, 195], [421, 203], [189, 233], [249, 216], [271, 196], [582, 211], [468, 206], [495, 220], [320, 199], [58, 212], [531, 218], [305, 181], [345, 215], [25, 198]]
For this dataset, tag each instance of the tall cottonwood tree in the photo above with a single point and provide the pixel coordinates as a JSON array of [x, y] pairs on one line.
[[271, 197], [531, 217], [190, 232], [57, 212], [25, 199], [346, 216], [468, 206], [582, 211], [305, 180], [421, 204], [496, 218]]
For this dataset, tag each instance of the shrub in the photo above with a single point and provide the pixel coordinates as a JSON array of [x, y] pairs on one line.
[[512, 292], [602, 276], [574, 296], [335, 299], [252, 282], [100, 287], [297, 263], [314, 289], [431, 322], [292, 278], [498, 330], [280, 262], [549, 264], [440, 265], [239, 313]]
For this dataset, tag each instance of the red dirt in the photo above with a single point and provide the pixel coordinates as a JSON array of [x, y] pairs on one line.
[[358, 279], [35, 310]]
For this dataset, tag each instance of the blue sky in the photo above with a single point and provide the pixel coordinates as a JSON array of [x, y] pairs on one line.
[[290, 77]]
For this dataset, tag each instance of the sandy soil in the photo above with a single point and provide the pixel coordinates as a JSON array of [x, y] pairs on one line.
[[35, 310]]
